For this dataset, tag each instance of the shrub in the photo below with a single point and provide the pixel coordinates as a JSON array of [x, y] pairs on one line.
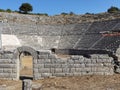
[[113, 10], [2, 10], [63, 13], [42, 14], [71, 13], [9, 10]]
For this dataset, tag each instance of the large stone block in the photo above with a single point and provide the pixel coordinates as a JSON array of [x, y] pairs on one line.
[[58, 70], [6, 61], [45, 75], [44, 52], [37, 76], [87, 69], [35, 61], [94, 65], [52, 56], [76, 57], [94, 69], [1, 70], [35, 70], [70, 65], [59, 74], [52, 70], [98, 73], [60, 61], [107, 64], [56, 65], [94, 61], [53, 65], [70, 61], [48, 65], [64, 65], [79, 69], [65, 70], [7, 66], [79, 65], [44, 70], [7, 70], [72, 70], [43, 56], [87, 60], [69, 74], [39, 66], [77, 74]]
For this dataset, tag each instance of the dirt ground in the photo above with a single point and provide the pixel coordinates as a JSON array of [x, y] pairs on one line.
[[27, 66], [70, 83], [82, 83], [93, 82]]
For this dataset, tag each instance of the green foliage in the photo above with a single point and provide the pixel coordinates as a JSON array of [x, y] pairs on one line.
[[113, 10], [9, 10], [89, 13], [63, 13], [2, 10], [25, 8], [16, 11], [71, 13], [42, 14]]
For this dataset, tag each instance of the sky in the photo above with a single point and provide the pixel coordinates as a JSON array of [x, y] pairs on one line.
[[55, 7]]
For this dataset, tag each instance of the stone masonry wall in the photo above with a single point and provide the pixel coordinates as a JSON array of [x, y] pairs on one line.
[[8, 67], [49, 65]]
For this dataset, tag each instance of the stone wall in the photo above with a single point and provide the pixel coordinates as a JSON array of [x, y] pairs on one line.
[[46, 64], [49, 65], [8, 66]]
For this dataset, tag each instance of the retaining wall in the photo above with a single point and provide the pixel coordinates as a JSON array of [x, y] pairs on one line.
[[49, 65], [8, 66]]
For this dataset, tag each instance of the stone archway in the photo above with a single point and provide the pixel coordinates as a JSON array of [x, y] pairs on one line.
[[17, 54]]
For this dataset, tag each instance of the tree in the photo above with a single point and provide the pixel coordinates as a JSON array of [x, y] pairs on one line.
[[2, 10], [9, 10], [25, 8], [113, 10], [72, 13], [63, 13]]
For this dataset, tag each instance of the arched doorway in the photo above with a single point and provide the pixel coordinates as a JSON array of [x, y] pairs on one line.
[[26, 58], [26, 64]]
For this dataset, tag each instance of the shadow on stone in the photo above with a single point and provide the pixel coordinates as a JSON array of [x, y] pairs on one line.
[[26, 77]]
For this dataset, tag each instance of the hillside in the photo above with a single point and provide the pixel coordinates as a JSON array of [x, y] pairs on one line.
[[58, 19]]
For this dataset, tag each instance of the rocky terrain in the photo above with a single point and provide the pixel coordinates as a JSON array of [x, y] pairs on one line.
[[57, 19]]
